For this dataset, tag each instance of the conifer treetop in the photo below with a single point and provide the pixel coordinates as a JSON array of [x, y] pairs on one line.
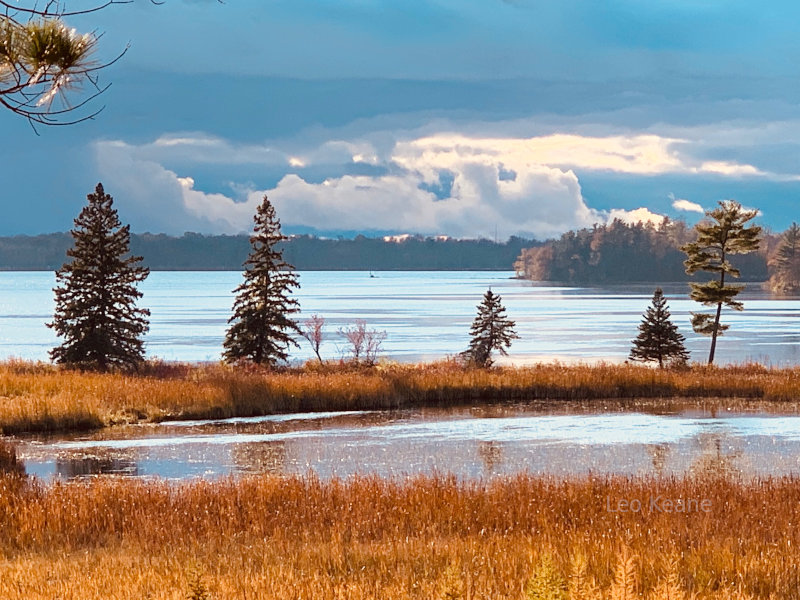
[[786, 262]]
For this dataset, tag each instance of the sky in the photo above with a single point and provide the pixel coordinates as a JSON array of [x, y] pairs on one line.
[[468, 118]]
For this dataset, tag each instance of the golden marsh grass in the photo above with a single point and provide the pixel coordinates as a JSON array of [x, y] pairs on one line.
[[39, 397], [366, 538]]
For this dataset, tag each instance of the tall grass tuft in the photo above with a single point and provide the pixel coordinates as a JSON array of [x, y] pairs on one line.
[[625, 582], [670, 588], [196, 587], [452, 586], [546, 582], [8, 459], [580, 586]]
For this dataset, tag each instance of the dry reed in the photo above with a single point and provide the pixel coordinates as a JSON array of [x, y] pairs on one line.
[[36, 397], [367, 538]]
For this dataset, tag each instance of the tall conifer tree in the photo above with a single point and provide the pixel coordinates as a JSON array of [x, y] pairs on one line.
[[659, 338], [491, 330], [724, 234], [786, 262], [261, 326], [96, 295]]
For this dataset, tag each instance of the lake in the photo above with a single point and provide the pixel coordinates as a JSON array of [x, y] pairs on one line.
[[426, 316]]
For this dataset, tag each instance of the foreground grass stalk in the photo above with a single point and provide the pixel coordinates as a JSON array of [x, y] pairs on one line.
[[38, 397], [425, 538]]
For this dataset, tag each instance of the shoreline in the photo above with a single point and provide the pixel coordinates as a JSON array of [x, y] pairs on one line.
[[40, 398]]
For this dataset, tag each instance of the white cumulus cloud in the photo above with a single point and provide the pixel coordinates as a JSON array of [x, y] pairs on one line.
[[686, 205], [541, 204], [437, 183], [639, 215]]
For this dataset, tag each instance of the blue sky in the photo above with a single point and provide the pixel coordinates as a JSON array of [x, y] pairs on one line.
[[441, 117]]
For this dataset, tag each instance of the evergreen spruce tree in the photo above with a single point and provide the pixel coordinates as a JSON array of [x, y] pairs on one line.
[[261, 328], [724, 234], [490, 330], [786, 262], [658, 337], [96, 295]]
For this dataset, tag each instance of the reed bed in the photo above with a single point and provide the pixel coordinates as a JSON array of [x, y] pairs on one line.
[[366, 538], [36, 397]]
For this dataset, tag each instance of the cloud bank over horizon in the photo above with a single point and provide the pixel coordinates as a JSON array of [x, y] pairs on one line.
[[440, 183]]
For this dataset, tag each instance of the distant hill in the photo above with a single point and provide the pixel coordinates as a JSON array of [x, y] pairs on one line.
[[196, 252]]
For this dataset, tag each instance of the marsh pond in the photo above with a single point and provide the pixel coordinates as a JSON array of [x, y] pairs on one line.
[[469, 443]]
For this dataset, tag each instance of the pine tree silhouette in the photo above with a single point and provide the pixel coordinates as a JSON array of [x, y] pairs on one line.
[[261, 328], [658, 337], [490, 330], [96, 297]]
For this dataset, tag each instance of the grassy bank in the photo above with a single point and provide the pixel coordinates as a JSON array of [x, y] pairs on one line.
[[38, 397], [426, 538]]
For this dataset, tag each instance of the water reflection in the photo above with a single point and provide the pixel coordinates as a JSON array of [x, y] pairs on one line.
[[72, 467], [491, 454], [659, 455], [260, 457], [718, 456], [471, 442]]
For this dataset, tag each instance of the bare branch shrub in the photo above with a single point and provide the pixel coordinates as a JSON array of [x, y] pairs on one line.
[[312, 331], [364, 344]]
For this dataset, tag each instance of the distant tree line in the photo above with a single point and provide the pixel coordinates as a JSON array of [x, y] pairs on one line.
[[619, 252], [196, 252]]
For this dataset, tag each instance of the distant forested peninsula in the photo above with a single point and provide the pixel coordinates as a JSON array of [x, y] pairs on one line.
[[620, 252], [197, 252]]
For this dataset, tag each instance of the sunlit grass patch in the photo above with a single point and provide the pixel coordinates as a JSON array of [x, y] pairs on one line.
[[428, 537], [36, 397]]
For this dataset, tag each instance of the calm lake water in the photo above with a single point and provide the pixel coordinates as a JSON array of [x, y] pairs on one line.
[[471, 443], [426, 315]]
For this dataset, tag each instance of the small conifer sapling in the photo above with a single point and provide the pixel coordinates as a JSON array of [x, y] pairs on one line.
[[491, 330], [659, 338]]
